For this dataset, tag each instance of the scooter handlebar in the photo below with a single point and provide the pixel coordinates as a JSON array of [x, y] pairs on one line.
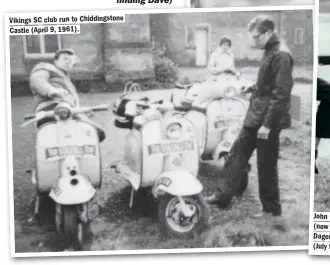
[[29, 117], [100, 107], [44, 114]]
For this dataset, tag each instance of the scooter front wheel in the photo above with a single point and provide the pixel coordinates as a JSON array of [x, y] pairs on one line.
[[73, 229], [174, 222]]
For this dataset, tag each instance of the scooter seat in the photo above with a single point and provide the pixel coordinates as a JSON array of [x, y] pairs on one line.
[[138, 122], [122, 120]]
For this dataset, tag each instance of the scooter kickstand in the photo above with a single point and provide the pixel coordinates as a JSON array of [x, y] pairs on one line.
[[36, 205], [131, 198]]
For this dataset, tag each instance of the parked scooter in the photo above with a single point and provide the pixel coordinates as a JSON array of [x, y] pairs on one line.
[[161, 153], [68, 166], [216, 110]]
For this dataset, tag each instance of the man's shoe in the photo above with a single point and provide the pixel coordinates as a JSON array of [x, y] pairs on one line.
[[217, 200], [263, 214], [213, 199]]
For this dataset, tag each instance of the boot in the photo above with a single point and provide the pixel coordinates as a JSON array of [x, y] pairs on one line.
[[218, 199]]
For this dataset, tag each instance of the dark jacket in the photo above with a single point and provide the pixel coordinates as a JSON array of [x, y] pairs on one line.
[[323, 110], [323, 90], [45, 77], [270, 101]]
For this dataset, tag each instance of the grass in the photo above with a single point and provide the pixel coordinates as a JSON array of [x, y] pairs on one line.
[[116, 227], [322, 181]]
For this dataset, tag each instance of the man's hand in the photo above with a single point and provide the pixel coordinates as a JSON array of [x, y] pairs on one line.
[[247, 89], [237, 73], [263, 133]]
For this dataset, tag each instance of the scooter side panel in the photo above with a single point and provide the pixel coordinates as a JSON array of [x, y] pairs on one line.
[[64, 134], [133, 151]]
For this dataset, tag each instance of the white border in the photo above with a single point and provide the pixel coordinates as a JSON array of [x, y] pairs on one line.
[[311, 251], [9, 134]]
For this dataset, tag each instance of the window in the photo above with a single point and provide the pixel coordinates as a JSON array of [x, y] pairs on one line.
[[36, 46], [299, 36]]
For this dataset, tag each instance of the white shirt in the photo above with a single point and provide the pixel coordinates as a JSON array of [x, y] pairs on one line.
[[220, 61]]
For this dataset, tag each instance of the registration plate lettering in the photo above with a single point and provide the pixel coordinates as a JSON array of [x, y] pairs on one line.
[[70, 150], [170, 147]]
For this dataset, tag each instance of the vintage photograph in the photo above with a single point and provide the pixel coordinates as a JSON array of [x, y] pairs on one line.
[[172, 130], [322, 130], [243, 3]]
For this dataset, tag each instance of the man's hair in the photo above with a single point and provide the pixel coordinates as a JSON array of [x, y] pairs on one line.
[[225, 39], [63, 51], [262, 24]]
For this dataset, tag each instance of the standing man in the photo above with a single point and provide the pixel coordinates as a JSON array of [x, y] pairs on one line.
[[267, 115]]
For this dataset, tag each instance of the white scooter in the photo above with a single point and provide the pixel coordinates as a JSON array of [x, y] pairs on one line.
[[216, 111], [161, 153], [68, 166]]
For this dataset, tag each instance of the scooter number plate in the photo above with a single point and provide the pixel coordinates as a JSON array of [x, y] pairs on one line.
[[70, 150], [170, 147]]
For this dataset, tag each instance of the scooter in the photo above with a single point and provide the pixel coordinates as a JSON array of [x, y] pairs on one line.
[[161, 154], [68, 166], [216, 110]]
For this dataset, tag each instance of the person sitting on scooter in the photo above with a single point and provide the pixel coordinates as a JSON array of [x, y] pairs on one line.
[[51, 82], [222, 60]]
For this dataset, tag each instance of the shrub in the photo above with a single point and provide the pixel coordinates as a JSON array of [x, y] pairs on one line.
[[166, 71]]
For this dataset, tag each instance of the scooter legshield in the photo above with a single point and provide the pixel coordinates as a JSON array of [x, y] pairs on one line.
[[61, 135], [177, 183], [72, 190]]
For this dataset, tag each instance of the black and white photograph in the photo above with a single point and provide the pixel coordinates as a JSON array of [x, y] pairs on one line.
[[320, 207], [322, 125], [160, 131], [247, 3]]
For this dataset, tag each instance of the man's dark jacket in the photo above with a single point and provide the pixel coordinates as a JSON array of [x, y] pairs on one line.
[[271, 100]]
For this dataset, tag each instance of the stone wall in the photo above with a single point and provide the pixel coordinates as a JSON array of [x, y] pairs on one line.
[[233, 24], [128, 50]]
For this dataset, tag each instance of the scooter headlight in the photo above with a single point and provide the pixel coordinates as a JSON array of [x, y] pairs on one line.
[[62, 113], [230, 92], [174, 131]]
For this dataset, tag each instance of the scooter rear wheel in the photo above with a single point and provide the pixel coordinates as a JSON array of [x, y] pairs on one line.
[[171, 228]]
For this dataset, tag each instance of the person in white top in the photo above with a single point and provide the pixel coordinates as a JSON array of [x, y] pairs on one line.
[[222, 60]]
